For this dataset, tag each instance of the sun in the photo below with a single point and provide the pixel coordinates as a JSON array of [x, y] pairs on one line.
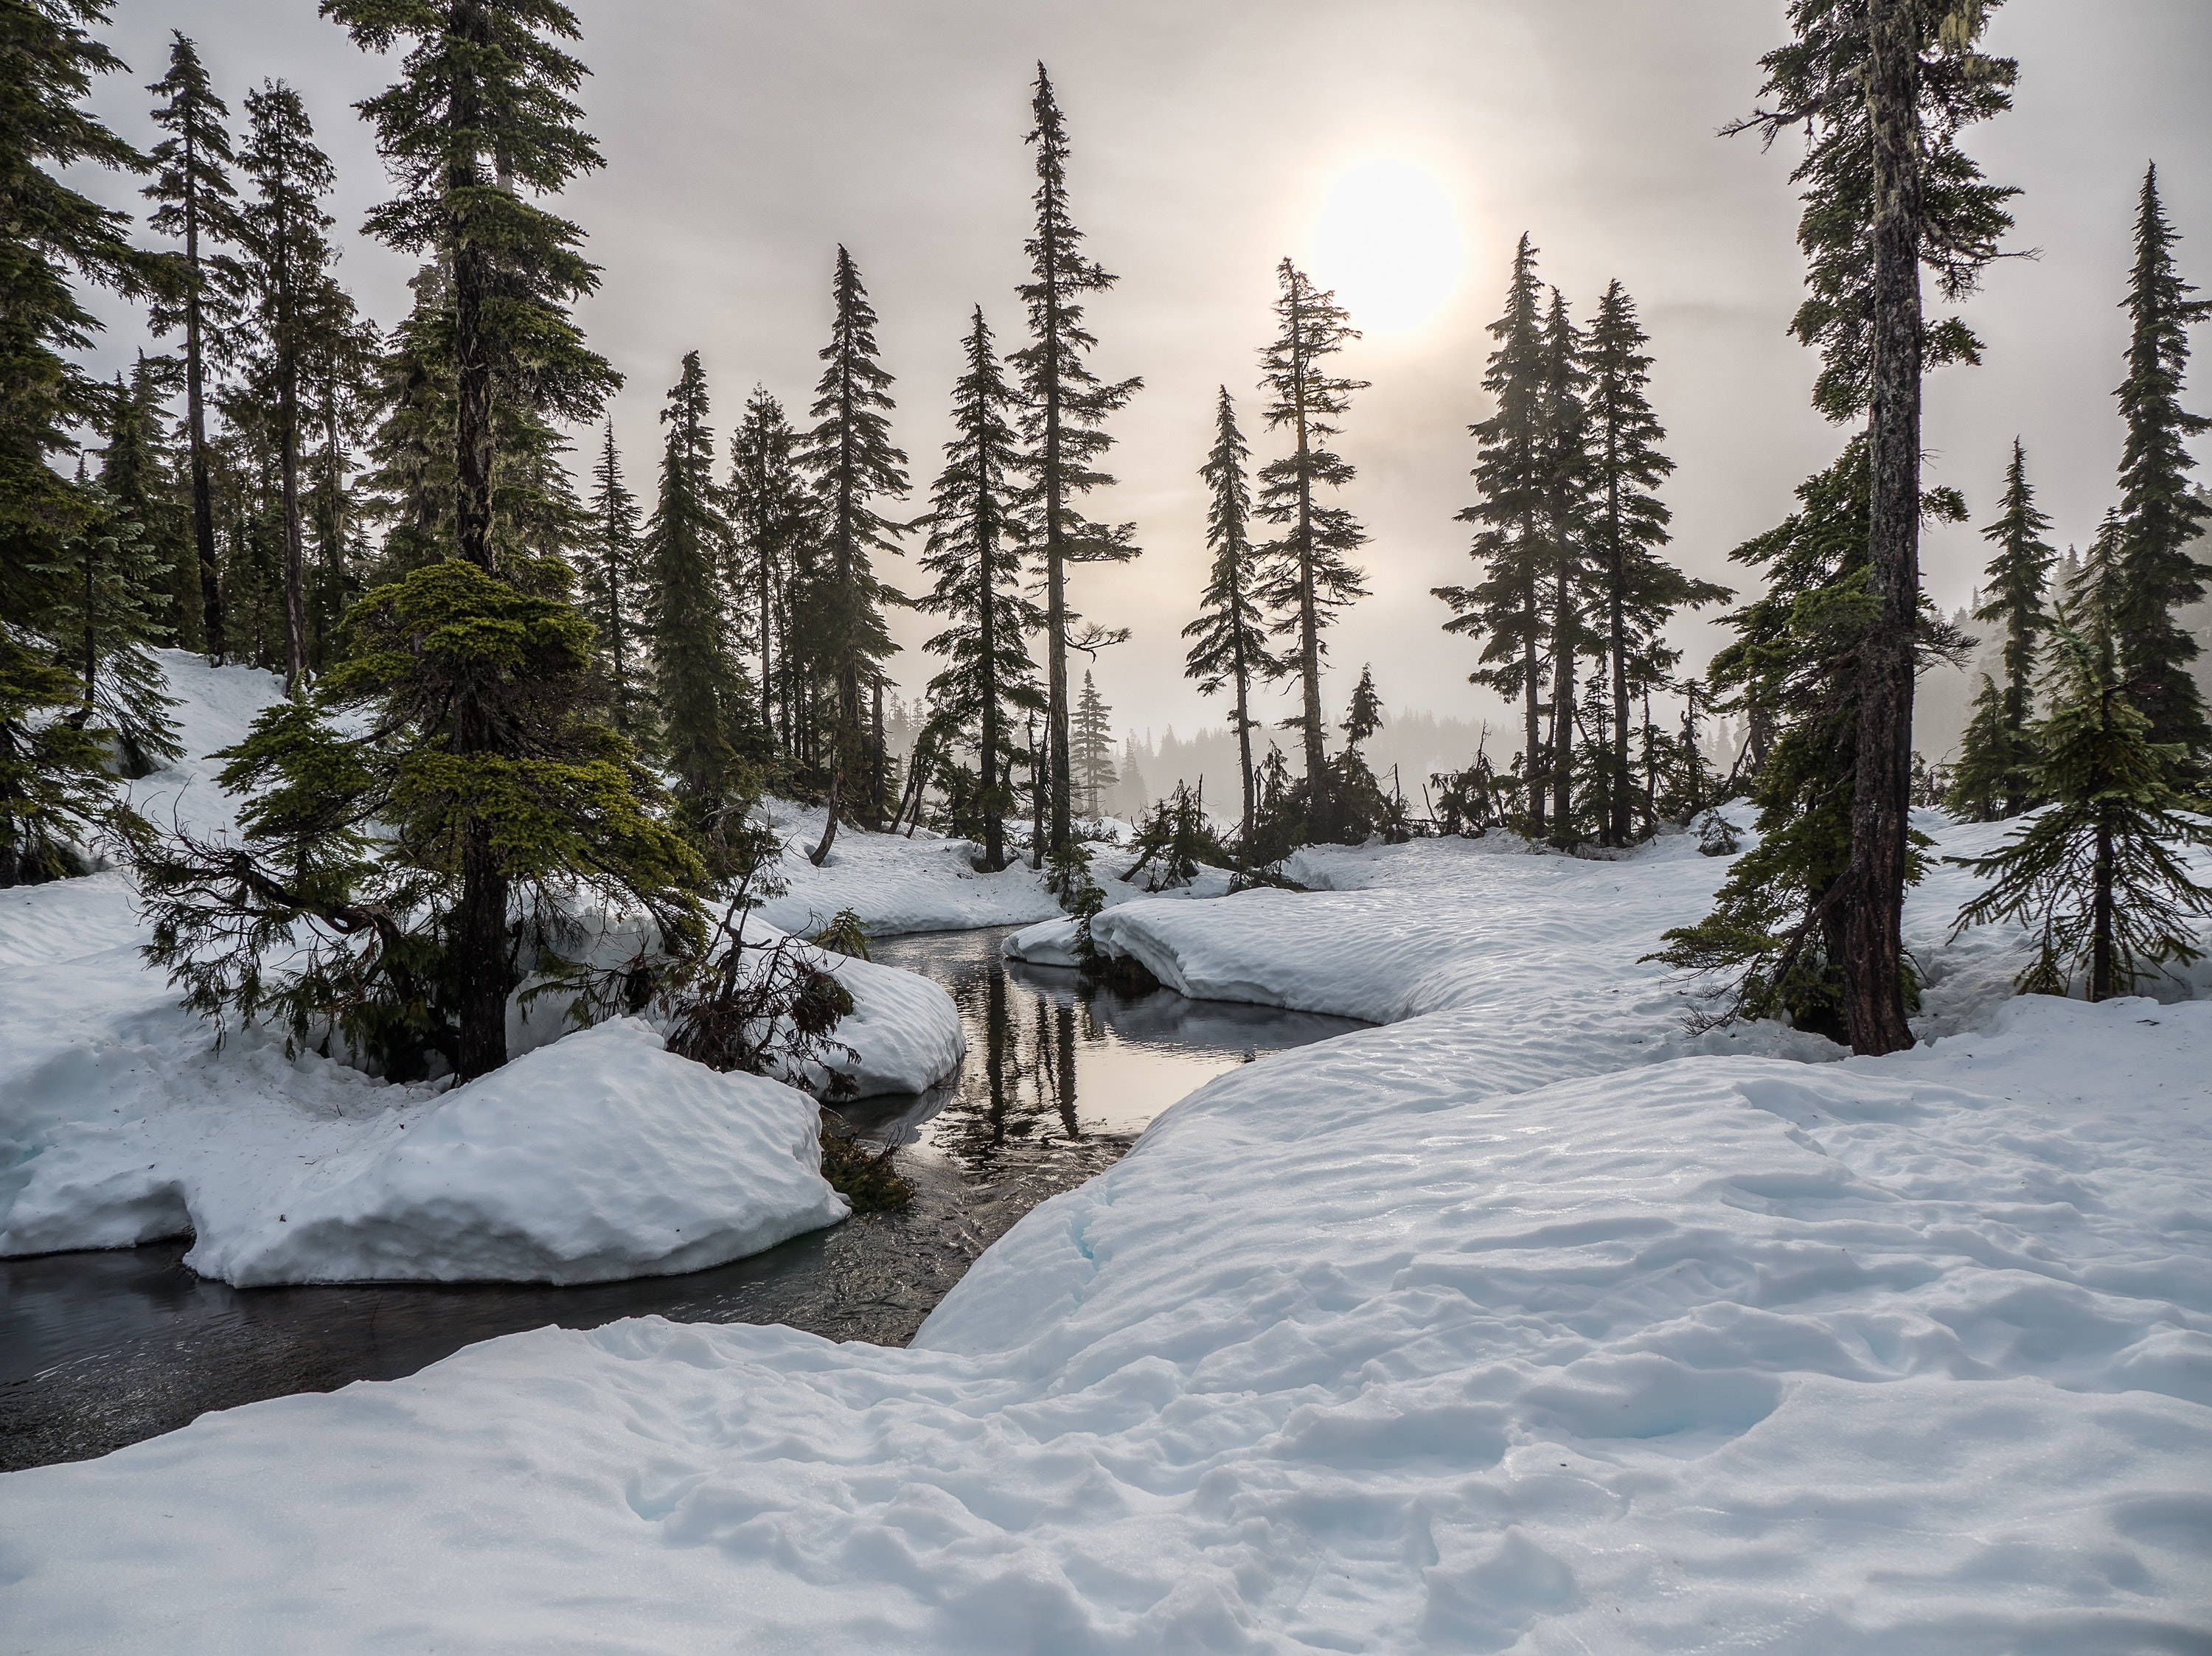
[[1389, 242]]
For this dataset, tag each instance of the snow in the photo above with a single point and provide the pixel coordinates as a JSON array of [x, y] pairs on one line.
[[121, 1120], [1525, 1323], [928, 883]]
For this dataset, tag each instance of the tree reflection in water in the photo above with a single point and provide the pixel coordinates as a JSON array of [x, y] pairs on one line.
[[1054, 1060]]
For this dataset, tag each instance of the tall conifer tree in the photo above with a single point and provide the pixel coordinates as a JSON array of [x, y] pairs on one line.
[[1567, 482], [196, 205], [287, 259], [1995, 756], [1229, 637], [705, 707], [480, 122], [2160, 514], [850, 456], [1311, 577], [977, 543], [614, 587], [1883, 89], [1065, 425], [1504, 610], [769, 510], [1091, 747]]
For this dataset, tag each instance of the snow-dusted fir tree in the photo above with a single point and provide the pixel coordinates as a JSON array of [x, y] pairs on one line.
[[614, 584], [769, 507], [1229, 647], [1882, 93], [283, 237], [1064, 423], [708, 723], [1640, 590], [195, 203], [853, 465], [1504, 610], [2160, 514], [1995, 756], [1091, 748], [977, 546], [1310, 575], [2098, 877]]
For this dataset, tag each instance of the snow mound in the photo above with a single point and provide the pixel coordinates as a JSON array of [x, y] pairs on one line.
[[1358, 1350], [598, 1157]]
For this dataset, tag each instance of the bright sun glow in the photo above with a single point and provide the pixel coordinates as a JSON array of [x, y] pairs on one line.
[[1389, 242]]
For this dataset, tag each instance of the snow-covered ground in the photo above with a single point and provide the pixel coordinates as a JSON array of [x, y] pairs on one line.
[[597, 1156], [928, 883], [1525, 1323]]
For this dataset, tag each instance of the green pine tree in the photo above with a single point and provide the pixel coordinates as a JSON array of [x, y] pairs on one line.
[[1065, 426], [287, 256], [1994, 755], [478, 130], [709, 731], [1504, 610], [2099, 877], [1882, 90], [1091, 748], [109, 582], [1310, 577], [771, 512], [196, 205], [977, 544], [374, 815], [1641, 590], [138, 471], [614, 585], [1568, 583], [2160, 515], [850, 457], [1229, 637]]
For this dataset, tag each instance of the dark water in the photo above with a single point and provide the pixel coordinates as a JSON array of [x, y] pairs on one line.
[[99, 1349]]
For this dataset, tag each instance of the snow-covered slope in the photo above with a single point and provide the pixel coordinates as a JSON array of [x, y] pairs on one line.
[[121, 1121], [1494, 1329]]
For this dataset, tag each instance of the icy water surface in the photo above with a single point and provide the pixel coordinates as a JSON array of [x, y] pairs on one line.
[[101, 1349]]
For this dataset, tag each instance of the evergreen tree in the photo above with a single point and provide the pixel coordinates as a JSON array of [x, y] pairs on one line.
[[348, 908], [409, 484], [614, 584], [197, 206], [768, 508], [49, 232], [480, 121], [139, 474], [286, 262], [54, 789], [1504, 610], [1883, 90], [2160, 515], [850, 457], [1311, 576], [1229, 637], [1992, 779], [2098, 877], [1091, 748], [1628, 524], [109, 580], [337, 400], [1567, 473], [977, 544], [1363, 716], [705, 707], [1064, 424]]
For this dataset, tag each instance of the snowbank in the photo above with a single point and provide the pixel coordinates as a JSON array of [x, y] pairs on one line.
[[121, 1121], [1357, 1351], [927, 882]]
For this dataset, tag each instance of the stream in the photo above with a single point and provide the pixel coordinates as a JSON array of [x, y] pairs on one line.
[[99, 1349]]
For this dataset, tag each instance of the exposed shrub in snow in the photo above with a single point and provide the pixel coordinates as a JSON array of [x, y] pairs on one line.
[[763, 1005]]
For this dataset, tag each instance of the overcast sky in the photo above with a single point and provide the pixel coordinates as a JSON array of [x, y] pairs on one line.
[[1395, 147]]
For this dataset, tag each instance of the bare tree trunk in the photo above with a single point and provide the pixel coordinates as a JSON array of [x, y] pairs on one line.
[[2100, 917], [471, 344], [1562, 702], [196, 415], [820, 854], [1874, 948]]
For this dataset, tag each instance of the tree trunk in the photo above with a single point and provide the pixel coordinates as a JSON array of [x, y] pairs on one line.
[[288, 462], [2100, 917], [1563, 703], [481, 962], [1244, 749], [1531, 701], [986, 757], [1874, 956], [1320, 816], [471, 268], [1617, 622], [820, 854]]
